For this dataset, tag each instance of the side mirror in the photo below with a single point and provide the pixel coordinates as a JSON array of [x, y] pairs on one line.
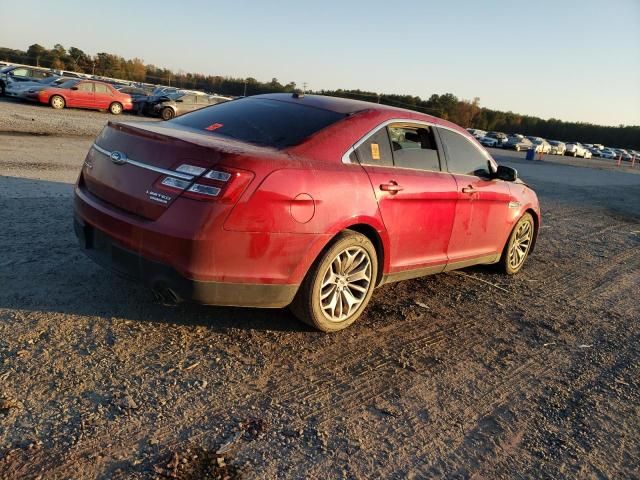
[[507, 174], [179, 100], [74, 88]]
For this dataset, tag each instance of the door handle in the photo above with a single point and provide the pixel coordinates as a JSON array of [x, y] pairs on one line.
[[391, 187], [469, 189]]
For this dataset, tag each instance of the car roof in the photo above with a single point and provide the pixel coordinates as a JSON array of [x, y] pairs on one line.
[[336, 104]]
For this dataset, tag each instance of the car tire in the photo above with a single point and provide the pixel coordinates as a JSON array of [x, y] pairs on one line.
[[115, 108], [57, 102], [167, 113], [518, 246], [334, 281]]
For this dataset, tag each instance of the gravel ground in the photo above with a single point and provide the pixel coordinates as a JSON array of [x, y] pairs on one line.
[[469, 374], [35, 119]]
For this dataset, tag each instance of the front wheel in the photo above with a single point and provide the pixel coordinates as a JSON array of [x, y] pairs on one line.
[[57, 102], [518, 246], [115, 108], [340, 283]]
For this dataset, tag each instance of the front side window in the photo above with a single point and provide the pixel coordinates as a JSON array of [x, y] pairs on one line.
[[414, 146], [85, 87], [188, 99], [376, 149], [463, 156]]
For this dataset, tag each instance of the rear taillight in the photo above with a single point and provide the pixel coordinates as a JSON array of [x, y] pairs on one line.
[[222, 184]]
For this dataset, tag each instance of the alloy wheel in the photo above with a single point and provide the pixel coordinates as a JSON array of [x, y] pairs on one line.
[[345, 284], [521, 245]]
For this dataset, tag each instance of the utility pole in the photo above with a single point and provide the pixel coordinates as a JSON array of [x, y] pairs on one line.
[[304, 87], [245, 89]]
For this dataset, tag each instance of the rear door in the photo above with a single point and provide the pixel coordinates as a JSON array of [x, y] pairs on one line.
[[103, 96], [416, 199], [481, 217]]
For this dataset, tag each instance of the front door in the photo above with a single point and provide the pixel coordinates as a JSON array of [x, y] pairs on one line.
[[83, 96], [416, 199], [481, 219]]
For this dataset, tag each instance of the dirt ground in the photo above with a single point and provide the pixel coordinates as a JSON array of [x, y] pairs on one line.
[[470, 374]]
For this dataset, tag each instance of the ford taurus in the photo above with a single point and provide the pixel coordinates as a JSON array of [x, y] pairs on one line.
[[307, 201]]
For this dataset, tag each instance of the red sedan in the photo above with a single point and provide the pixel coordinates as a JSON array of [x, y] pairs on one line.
[[307, 201], [86, 94]]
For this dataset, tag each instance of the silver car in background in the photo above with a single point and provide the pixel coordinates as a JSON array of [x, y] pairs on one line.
[[557, 148]]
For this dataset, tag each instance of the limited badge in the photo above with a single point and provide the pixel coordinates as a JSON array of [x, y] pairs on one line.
[[375, 151]]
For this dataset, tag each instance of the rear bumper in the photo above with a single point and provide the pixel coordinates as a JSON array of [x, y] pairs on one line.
[[109, 253]]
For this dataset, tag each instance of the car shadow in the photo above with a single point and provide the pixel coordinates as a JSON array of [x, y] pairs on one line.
[[43, 269]]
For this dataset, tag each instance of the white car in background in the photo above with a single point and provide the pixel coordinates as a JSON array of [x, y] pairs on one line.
[[576, 149], [488, 141], [476, 133]]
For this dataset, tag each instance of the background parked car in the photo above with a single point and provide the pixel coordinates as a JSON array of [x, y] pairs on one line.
[[21, 74], [499, 136], [488, 141], [86, 94], [178, 103], [518, 144], [576, 149], [476, 133], [540, 145], [557, 148], [15, 89]]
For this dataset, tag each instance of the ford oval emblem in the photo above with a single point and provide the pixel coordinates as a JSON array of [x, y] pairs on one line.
[[118, 158]]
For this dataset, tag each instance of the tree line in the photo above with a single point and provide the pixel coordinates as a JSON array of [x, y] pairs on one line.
[[467, 113]]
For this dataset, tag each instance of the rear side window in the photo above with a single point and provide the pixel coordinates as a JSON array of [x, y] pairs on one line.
[[102, 89], [414, 146], [462, 155], [261, 121], [376, 150]]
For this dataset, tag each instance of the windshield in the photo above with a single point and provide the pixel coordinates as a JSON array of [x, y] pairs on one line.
[[261, 121]]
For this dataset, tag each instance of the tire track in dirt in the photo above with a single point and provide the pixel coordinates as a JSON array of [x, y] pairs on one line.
[[533, 369]]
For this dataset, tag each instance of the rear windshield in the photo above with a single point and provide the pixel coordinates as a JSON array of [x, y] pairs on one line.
[[261, 121]]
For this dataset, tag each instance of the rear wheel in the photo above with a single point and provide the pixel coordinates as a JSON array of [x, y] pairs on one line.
[[518, 246], [57, 102], [167, 113], [115, 108], [340, 283]]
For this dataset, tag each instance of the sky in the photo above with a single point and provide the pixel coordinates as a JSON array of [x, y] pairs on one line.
[[567, 59]]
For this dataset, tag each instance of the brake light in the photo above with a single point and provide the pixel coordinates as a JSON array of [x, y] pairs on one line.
[[224, 184]]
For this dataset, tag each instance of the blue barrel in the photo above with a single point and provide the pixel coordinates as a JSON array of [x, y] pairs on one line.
[[531, 154]]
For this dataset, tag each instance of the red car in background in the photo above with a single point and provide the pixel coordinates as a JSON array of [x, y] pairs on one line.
[[308, 201], [86, 94]]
